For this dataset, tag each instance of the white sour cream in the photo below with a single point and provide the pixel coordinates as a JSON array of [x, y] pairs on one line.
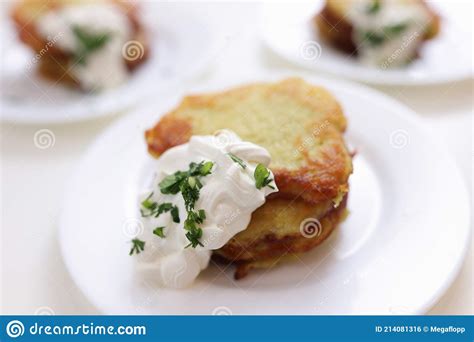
[[228, 196], [105, 67], [397, 48]]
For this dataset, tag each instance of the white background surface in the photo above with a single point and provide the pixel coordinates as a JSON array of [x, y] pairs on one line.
[[34, 278]]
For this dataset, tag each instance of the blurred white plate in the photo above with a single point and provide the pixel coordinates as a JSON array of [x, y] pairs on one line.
[[288, 31], [398, 251], [181, 43]]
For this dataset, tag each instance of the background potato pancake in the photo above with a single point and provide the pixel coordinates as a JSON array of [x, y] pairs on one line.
[[55, 63], [335, 28], [301, 126]]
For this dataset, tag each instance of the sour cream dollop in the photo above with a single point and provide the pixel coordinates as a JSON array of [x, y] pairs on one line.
[[228, 196], [387, 33], [104, 67]]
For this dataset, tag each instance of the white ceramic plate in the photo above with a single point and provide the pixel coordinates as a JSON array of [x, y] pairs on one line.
[[181, 45], [398, 251], [289, 32]]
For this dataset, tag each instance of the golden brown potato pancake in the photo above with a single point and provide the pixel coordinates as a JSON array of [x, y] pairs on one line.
[[301, 125]]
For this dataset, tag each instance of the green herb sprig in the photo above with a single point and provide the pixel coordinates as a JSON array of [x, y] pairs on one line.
[[395, 29], [373, 38], [189, 184], [151, 208], [237, 160], [158, 231], [138, 246], [88, 42], [262, 177], [377, 38], [373, 7]]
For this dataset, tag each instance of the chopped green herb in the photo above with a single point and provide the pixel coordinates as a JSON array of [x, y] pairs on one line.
[[175, 214], [191, 225], [158, 231], [262, 177], [137, 246], [190, 195], [188, 183], [193, 236], [378, 38], [170, 184], [164, 208], [202, 215], [237, 160], [373, 38], [147, 204], [205, 169], [151, 208], [194, 169], [89, 42], [191, 181], [395, 29], [373, 7]]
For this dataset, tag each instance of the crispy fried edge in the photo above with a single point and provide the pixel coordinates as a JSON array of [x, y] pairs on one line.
[[279, 248]]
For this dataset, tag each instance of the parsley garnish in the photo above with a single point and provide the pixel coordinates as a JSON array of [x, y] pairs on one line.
[[151, 208], [205, 169], [374, 38], [137, 246], [89, 42], [189, 184], [158, 231], [261, 175], [170, 184], [237, 160], [395, 29], [374, 7], [378, 38], [175, 214], [147, 204], [194, 236]]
